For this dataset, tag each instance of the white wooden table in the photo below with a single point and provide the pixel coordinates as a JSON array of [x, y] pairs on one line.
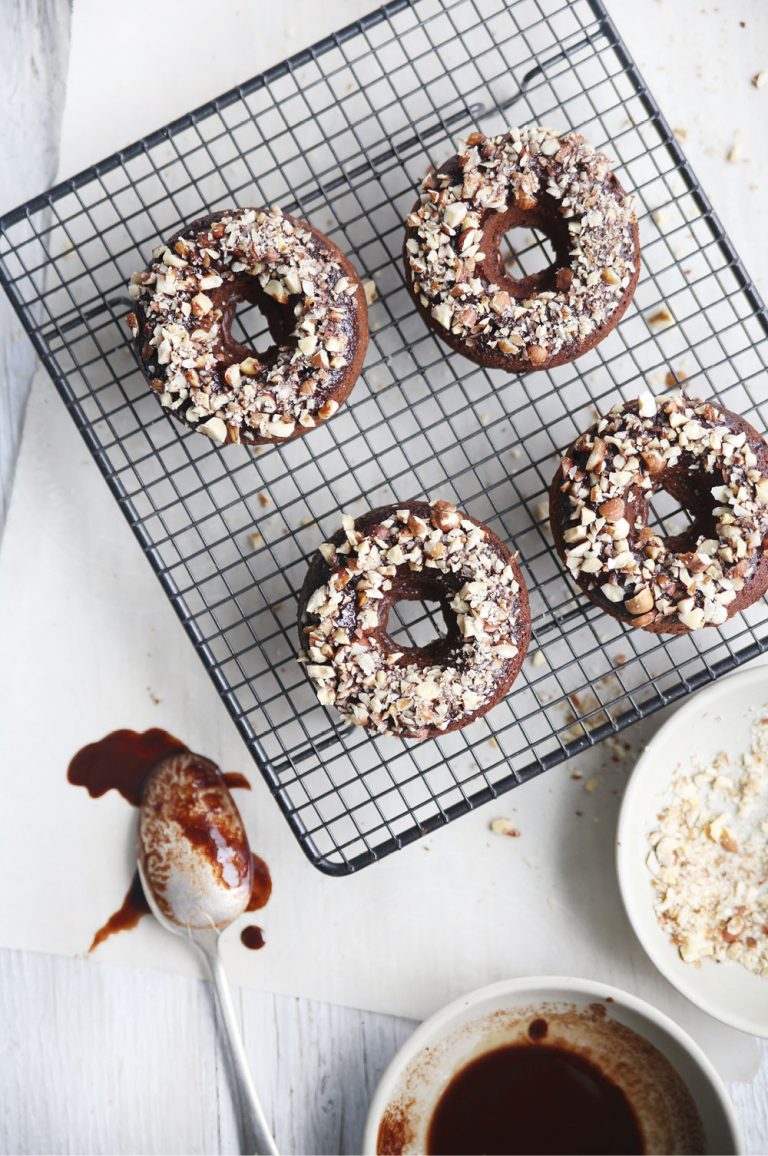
[[102, 1059]]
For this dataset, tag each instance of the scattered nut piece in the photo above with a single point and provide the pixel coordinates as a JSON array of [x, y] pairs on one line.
[[735, 152], [504, 827]]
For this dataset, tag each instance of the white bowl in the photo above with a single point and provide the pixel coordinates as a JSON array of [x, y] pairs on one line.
[[440, 1046], [717, 718]]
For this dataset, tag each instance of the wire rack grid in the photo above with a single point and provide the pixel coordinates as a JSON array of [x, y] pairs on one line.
[[341, 134]]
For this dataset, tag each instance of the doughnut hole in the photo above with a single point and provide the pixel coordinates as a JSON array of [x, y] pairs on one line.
[[417, 621], [525, 252], [543, 268], [680, 509], [250, 329], [253, 323]]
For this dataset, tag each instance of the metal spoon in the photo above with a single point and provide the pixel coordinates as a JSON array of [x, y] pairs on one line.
[[195, 869]]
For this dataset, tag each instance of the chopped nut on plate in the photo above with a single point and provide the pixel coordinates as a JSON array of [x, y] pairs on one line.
[[709, 859]]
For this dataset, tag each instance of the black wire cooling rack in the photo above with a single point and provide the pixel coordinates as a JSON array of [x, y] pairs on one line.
[[341, 134]]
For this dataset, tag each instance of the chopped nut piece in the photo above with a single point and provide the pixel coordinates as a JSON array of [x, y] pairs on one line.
[[215, 429], [537, 354], [612, 510], [201, 305], [504, 827], [735, 152], [661, 317], [640, 603]]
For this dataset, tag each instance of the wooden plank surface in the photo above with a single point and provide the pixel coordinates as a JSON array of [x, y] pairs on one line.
[[32, 86]]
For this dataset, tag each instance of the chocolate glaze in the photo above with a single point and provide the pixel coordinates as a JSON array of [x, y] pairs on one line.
[[538, 1028], [533, 1098], [548, 219], [261, 884], [427, 586], [691, 486], [127, 916], [252, 937], [121, 762], [185, 797], [236, 780]]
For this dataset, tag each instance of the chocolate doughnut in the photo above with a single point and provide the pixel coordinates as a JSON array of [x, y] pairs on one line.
[[715, 464], [310, 296], [418, 551], [534, 178]]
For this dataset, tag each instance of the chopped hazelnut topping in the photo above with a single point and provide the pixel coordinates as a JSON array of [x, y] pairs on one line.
[[610, 473], [180, 302], [529, 168], [351, 661]]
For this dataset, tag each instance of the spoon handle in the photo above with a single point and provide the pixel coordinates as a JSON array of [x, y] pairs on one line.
[[256, 1136]]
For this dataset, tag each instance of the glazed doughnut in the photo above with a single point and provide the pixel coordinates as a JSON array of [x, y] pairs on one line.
[[715, 464], [418, 551], [310, 296], [534, 178]]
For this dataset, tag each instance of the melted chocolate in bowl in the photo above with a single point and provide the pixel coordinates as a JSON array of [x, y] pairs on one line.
[[533, 1098], [547, 1078]]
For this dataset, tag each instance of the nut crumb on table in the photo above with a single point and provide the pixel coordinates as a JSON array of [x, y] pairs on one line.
[[709, 858]]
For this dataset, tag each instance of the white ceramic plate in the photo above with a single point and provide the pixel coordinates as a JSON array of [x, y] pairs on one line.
[[718, 718], [448, 1033]]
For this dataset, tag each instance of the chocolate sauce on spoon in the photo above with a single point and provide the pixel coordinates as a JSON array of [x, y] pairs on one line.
[[121, 761]]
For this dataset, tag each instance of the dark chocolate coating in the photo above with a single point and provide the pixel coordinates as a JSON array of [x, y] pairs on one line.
[[692, 489], [547, 218], [279, 318], [429, 585]]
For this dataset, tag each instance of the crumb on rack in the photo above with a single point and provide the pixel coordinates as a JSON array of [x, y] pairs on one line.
[[675, 377], [661, 317], [541, 510]]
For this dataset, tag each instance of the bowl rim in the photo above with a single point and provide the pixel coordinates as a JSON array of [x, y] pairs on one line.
[[440, 1020], [624, 868]]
